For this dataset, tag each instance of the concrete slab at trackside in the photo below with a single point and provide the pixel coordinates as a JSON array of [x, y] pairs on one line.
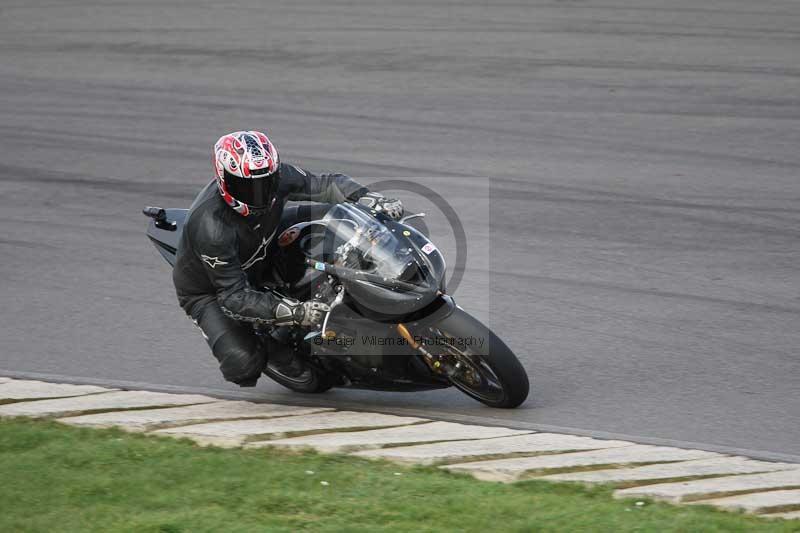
[[466, 450], [100, 402], [791, 515], [757, 502], [695, 468], [707, 488], [157, 418], [23, 389], [508, 470], [359, 440], [235, 433]]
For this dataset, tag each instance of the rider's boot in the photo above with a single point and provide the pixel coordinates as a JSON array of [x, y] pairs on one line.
[[281, 355]]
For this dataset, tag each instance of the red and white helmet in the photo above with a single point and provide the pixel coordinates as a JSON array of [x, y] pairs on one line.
[[246, 166]]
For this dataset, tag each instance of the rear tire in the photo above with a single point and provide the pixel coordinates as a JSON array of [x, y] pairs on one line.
[[494, 354]]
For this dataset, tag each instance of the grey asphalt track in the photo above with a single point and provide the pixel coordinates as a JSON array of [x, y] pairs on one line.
[[642, 157]]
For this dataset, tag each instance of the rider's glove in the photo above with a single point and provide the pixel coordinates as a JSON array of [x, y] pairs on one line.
[[305, 314], [390, 206]]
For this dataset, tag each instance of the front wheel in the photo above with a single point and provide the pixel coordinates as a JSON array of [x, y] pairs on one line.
[[477, 361]]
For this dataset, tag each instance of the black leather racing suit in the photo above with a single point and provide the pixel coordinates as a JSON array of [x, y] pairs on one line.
[[222, 263]]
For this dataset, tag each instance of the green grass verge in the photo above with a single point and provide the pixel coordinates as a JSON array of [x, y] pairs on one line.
[[58, 478]]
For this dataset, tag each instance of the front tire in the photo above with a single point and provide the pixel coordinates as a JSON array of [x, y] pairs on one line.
[[490, 373]]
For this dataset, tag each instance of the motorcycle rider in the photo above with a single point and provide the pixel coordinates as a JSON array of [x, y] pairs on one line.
[[228, 240]]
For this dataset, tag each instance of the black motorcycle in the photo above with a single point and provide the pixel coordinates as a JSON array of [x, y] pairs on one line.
[[392, 325]]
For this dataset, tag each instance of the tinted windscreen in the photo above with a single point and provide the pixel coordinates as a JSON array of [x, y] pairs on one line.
[[361, 242], [384, 272]]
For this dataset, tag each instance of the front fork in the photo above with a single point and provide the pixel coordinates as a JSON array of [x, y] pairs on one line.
[[437, 363]]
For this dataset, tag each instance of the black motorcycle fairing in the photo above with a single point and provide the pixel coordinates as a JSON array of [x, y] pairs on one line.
[[166, 240], [393, 269], [423, 245], [374, 355]]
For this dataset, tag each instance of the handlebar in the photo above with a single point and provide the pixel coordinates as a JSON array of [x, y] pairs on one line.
[[156, 213], [159, 216]]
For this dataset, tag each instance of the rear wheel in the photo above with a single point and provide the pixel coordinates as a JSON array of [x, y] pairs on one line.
[[478, 362]]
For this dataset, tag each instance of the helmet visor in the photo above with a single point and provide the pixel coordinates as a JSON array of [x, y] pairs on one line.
[[256, 191]]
